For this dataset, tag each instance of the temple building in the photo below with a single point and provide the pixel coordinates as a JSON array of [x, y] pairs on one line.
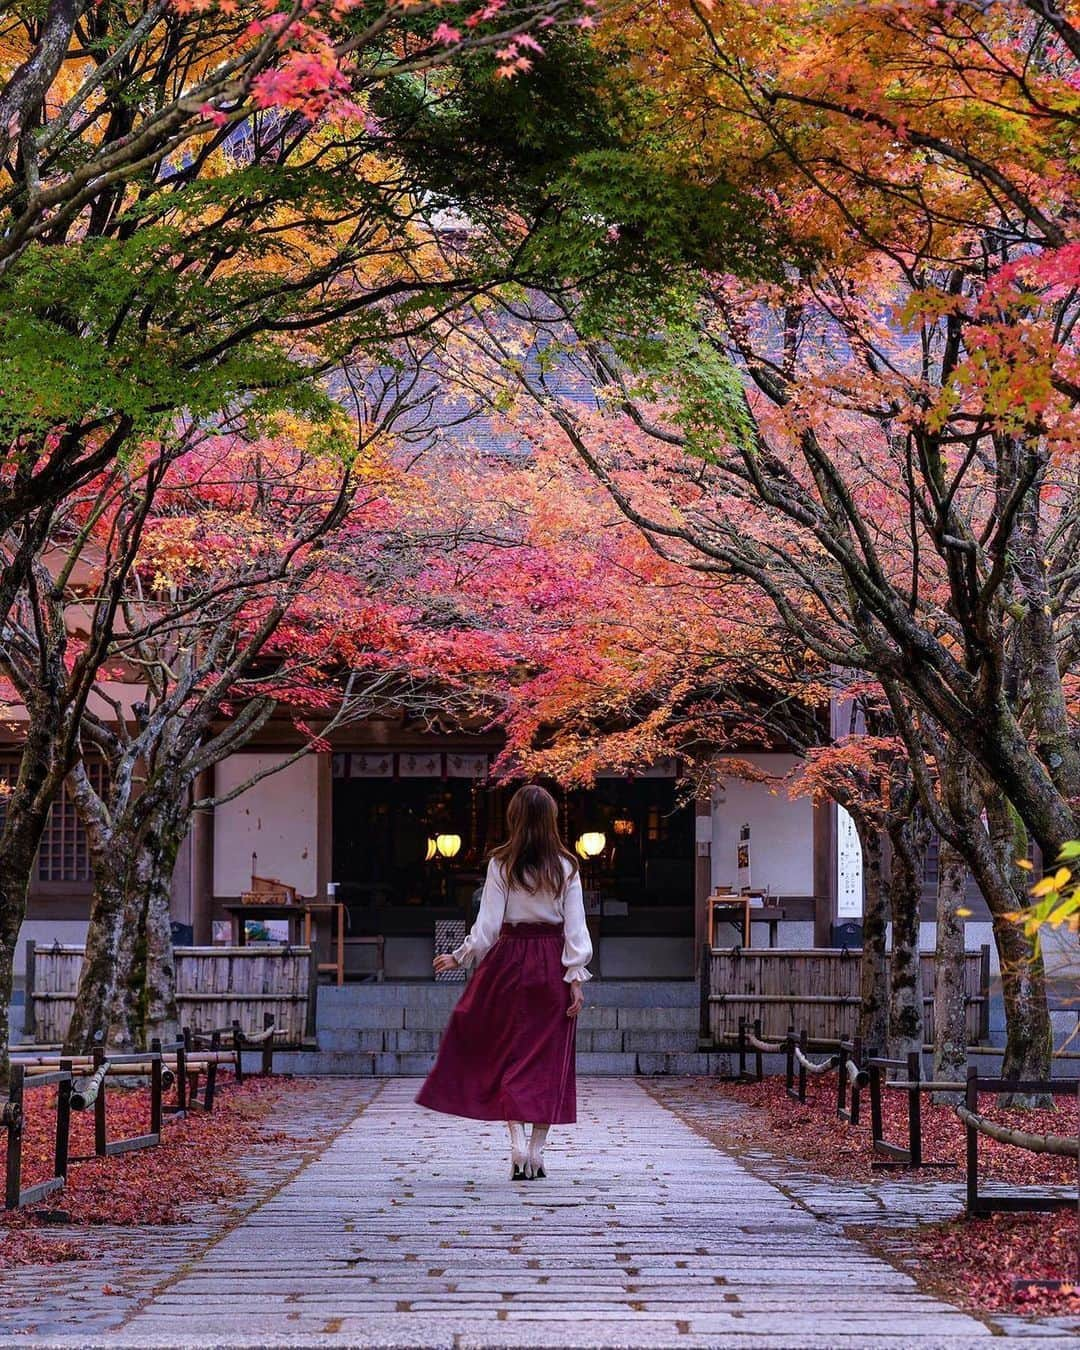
[[395, 826]]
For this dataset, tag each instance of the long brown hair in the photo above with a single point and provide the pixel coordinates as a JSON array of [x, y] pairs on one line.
[[532, 858]]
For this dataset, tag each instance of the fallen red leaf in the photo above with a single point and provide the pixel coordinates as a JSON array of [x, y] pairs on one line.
[[196, 1161]]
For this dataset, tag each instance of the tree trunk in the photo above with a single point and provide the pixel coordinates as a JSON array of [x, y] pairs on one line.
[[1009, 762], [1055, 744], [25, 814], [1028, 1037], [1028, 1033], [950, 1003], [14, 881], [127, 988], [874, 973], [908, 838], [991, 838], [103, 964], [157, 973]]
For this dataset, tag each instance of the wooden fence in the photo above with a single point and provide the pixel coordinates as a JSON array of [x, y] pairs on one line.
[[819, 990], [215, 986], [82, 1083]]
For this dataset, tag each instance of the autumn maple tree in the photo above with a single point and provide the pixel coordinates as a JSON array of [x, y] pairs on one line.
[[880, 436], [212, 208], [282, 576]]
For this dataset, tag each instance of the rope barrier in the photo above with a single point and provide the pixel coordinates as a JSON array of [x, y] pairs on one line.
[[258, 1037], [811, 1066], [764, 1047]]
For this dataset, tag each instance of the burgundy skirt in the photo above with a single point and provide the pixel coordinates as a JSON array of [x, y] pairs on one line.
[[508, 1050]]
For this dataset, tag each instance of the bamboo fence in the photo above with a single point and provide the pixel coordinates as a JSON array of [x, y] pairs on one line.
[[214, 987]]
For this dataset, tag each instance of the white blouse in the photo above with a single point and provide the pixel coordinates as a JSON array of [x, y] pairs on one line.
[[501, 904]]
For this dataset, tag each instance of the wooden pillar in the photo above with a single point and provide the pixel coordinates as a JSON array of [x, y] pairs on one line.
[[324, 826], [702, 871], [824, 835], [202, 862]]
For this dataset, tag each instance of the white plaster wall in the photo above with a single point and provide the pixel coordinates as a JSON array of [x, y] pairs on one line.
[[277, 818], [781, 831]]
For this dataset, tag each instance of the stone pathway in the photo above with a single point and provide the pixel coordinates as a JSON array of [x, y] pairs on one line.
[[94, 1296], [403, 1231], [891, 1201]]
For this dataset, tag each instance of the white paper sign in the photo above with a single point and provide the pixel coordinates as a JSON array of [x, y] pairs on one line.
[[849, 868]]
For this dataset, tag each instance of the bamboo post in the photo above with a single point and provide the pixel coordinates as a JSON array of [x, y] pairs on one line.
[[181, 1075], [268, 1047], [30, 1021], [63, 1122], [971, 1101], [841, 1079], [100, 1121], [211, 1073], [13, 1113], [311, 1020], [742, 1047], [914, 1069], [876, 1124], [789, 1071], [759, 1068], [156, 1084], [238, 1046], [984, 990], [192, 1074], [704, 1030], [804, 1045]]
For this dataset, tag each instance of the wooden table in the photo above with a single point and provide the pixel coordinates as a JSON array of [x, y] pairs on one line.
[[729, 909], [335, 911], [737, 911], [301, 927]]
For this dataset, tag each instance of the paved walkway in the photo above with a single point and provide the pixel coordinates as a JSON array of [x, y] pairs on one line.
[[404, 1231]]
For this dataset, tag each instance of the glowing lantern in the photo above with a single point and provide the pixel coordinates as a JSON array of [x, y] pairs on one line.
[[430, 850], [623, 825], [591, 844], [448, 845]]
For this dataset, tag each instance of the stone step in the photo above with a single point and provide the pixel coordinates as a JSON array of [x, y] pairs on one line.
[[426, 1008], [377, 1040], [394, 1064], [648, 994], [635, 1040], [627, 1027]]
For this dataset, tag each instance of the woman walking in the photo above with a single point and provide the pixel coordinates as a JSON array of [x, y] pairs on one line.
[[508, 1050]]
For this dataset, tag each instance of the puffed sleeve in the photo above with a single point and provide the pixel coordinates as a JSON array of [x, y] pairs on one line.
[[577, 945], [489, 921]]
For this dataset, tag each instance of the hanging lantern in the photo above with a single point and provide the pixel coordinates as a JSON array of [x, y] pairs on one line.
[[448, 845], [591, 844], [430, 850]]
